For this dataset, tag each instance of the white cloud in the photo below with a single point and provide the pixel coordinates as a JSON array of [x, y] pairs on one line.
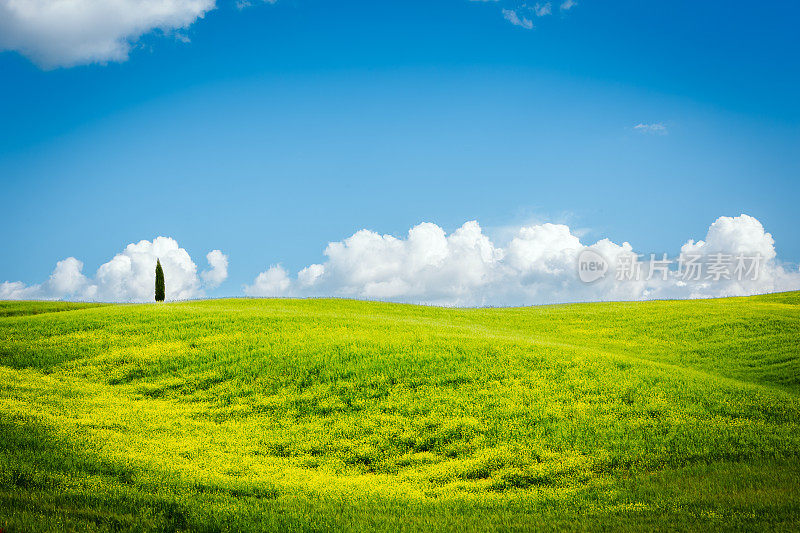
[[310, 274], [67, 278], [736, 236], [218, 271], [16, 290], [654, 128], [63, 33], [538, 265], [514, 18], [566, 5], [273, 282], [128, 277], [542, 9], [243, 4], [65, 281]]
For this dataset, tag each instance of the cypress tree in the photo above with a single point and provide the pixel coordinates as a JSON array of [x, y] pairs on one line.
[[159, 282]]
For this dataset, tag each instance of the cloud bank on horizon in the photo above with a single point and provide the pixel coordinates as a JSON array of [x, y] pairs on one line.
[[538, 265], [465, 268]]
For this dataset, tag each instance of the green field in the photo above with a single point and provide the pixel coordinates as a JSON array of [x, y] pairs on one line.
[[318, 415]]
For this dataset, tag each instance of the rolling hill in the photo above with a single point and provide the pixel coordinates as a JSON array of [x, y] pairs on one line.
[[318, 415]]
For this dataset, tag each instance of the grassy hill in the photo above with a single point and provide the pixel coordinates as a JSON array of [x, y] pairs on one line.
[[324, 415]]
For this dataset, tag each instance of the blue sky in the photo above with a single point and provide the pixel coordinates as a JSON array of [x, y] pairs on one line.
[[278, 128]]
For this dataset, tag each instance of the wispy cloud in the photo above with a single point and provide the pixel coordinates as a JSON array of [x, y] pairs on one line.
[[522, 14], [514, 18], [566, 5], [542, 9], [244, 4], [656, 128]]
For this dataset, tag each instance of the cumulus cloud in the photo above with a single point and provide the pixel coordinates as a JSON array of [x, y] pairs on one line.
[[127, 277], [272, 282], [735, 240], [63, 33], [538, 265], [66, 281], [218, 271], [67, 278], [514, 18], [656, 128]]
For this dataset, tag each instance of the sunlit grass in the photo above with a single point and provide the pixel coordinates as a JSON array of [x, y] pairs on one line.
[[335, 414]]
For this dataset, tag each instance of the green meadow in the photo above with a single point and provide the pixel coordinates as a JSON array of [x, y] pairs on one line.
[[338, 415]]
